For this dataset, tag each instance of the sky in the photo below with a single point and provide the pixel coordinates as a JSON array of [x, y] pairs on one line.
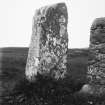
[[16, 20]]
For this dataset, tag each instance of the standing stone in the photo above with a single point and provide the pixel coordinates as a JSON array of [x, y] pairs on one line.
[[47, 54], [96, 68]]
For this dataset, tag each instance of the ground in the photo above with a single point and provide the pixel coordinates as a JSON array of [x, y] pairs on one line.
[[16, 90]]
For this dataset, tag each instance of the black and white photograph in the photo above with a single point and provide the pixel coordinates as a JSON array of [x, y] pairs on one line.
[[52, 52]]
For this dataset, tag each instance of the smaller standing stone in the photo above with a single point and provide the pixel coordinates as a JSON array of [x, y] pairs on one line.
[[49, 43], [96, 68]]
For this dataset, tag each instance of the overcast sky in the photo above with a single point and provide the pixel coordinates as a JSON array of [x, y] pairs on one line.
[[16, 20]]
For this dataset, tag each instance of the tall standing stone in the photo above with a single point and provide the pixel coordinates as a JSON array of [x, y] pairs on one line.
[[47, 54], [96, 68]]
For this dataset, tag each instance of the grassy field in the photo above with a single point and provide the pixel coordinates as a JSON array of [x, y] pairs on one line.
[[16, 90]]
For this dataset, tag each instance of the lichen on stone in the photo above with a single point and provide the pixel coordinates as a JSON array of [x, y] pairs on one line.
[[49, 42], [96, 69]]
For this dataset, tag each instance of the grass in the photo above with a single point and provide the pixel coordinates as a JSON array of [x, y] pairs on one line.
[[16, 90]]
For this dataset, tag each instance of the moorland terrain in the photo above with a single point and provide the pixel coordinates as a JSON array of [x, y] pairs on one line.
[[16, 90]]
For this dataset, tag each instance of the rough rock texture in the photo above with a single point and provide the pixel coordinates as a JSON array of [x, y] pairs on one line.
[[49, 43], [96, 68]]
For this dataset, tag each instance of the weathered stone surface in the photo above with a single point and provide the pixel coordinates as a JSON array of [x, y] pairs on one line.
[[98, 31], [96, 68], [49, 43]]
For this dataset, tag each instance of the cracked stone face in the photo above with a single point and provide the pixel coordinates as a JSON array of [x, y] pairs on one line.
[[96, 69], [49, 43]]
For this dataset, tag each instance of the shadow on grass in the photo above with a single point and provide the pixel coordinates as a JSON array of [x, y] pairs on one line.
[[49, 92]]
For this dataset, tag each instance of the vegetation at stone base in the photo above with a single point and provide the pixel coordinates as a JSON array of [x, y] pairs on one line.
[[16, 90], [48, 92]]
